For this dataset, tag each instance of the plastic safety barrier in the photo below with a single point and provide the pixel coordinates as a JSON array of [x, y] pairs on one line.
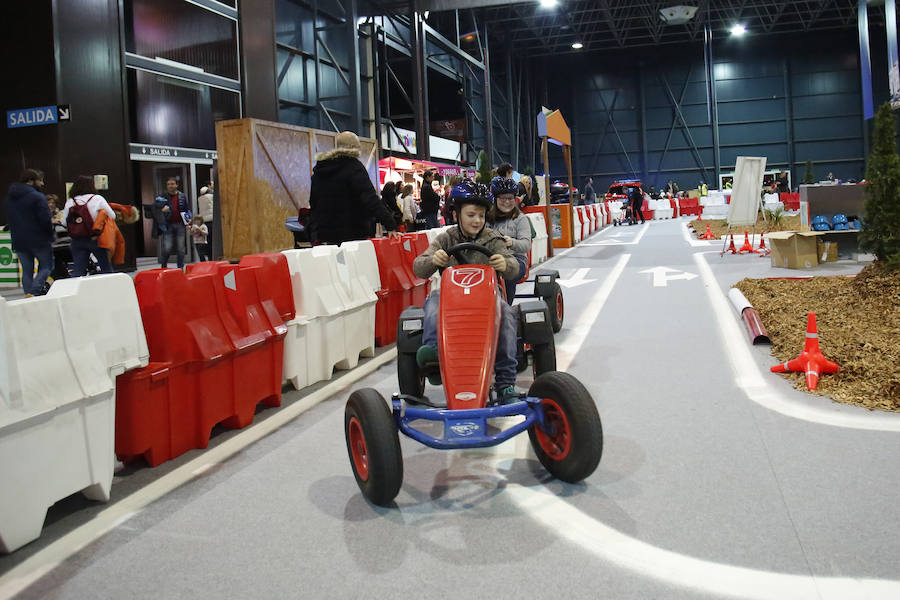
[[413, 245], [673, 204], [576, 225], [598, 216], [791, 200], [318, 296], [354, 264], [396, 291], [539, 243], [689, 206], [60, 355], [435, 279]]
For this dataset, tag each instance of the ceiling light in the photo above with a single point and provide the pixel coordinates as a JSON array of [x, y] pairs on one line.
[[677, 15], [738, 30], [549, 3], [577, 45]]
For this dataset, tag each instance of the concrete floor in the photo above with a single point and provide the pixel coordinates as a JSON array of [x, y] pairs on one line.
[[718, 480]]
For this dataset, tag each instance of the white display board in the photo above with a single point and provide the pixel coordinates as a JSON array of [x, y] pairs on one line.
[[748, 178]]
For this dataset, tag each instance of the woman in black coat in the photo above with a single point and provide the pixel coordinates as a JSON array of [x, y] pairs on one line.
[[389, 198], [342, 200], [429, 201]]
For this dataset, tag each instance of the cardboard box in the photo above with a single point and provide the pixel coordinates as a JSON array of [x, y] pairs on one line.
[[794, 249], [826, 250]]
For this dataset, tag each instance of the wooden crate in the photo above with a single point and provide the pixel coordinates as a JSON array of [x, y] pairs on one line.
[[264, 177]]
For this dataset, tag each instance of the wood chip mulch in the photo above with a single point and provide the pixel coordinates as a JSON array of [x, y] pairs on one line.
[[859, 328]]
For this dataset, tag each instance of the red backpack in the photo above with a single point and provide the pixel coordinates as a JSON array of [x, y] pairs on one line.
[[79, 221]]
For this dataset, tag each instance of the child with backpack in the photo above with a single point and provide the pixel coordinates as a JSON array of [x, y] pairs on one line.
[[79, 214]]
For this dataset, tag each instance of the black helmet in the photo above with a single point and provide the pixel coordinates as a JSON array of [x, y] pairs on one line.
[[502, 185], [469, 192]]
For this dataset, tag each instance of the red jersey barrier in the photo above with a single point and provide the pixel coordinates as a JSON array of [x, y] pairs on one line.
[[413, 245], [170, 406], [791, 200], [689, 206], [396, 291], [674, 204]]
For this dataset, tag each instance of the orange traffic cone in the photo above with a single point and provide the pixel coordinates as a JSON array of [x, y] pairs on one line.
[[762, 250], [811, 360], [730, 247], [708, 235], [747, 247]]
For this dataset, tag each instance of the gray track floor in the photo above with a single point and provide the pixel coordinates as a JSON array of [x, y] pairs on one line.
[[718, 480]]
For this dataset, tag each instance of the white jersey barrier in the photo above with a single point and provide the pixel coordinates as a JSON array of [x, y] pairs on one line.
[[59, 358], [662, 209], [355, 262], [539, 243], [576, 224], [318, 299]]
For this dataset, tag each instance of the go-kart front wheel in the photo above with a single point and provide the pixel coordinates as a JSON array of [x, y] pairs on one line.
[[373, 446], [570, 442]]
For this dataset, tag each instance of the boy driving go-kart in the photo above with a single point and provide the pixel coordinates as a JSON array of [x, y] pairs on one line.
[[471, 203]]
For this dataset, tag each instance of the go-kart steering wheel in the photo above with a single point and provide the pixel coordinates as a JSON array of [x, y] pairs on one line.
[[457, 252]]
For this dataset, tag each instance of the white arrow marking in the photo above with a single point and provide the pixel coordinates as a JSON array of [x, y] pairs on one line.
[[577, 278], [64, 114], [660, 279]]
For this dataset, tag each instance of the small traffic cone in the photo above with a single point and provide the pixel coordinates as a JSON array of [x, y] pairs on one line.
[[708, 235], [762, 250], [730, 247], [811, 360], [747, 247]]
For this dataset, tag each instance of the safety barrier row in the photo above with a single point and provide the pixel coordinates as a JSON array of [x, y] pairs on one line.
[[59, 358]]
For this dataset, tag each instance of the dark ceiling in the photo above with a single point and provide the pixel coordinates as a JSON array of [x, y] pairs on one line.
[[616, 24]]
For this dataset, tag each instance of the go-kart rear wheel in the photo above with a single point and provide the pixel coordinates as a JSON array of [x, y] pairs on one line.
[[555, 307], [543, 358], [409, 376], [570, 442], [373, 446]]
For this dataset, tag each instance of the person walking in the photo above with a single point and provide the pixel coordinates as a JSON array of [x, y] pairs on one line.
[[343, 202], [83, 195], [171, 213], [429, 201], [637, 204], [590, 196], [31, 230], [205, 203], [408, 206]]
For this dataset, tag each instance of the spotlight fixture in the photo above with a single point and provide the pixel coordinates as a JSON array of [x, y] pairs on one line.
[[577, 45], [738, 30], [549, 3]]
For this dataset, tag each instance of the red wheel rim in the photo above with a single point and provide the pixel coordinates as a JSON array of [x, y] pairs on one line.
[[559, 307], [358, 449], [555, 437]]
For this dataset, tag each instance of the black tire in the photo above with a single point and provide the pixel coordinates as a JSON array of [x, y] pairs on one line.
[[543, 358], [409, 376], [555, 307], [571, 443], [373, 446]]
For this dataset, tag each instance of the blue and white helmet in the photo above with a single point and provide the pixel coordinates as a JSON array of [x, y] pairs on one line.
[[820, 223], [469, 192]]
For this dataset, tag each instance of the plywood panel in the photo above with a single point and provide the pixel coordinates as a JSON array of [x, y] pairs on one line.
[[264, 177]]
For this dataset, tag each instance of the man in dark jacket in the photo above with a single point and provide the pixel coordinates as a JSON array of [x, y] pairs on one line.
[[590, 196], [170, 212], [31, 230], [342, 200], [637, 203], [430, 203]]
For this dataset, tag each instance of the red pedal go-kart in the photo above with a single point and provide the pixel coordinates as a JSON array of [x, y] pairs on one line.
[[560, 415]]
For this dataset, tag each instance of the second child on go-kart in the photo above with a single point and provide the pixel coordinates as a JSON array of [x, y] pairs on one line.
[[506, 219], [471, 203]]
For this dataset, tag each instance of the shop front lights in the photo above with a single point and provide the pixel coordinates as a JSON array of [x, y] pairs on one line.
[[738, 30]]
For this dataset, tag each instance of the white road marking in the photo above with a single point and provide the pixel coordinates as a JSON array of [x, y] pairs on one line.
[[752, 381], [36, 566], [666, 566], [690, 239], [608, 242], [660, 279], [577, 279]]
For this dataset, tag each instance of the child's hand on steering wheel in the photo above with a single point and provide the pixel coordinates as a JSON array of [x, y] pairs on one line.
[[441, 258], [498, 262]]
